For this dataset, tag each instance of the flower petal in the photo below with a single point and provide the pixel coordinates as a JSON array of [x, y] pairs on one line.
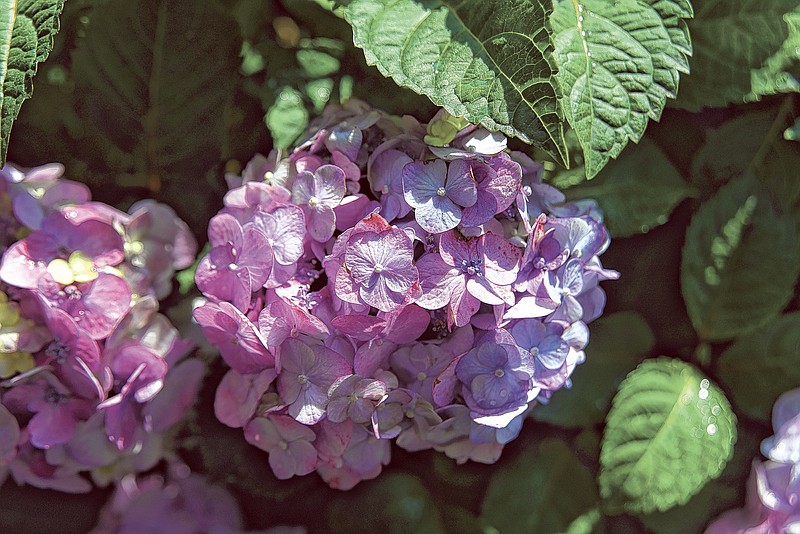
[[461, 187]]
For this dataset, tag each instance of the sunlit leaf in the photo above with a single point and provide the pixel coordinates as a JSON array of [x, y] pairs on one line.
[[487, 60], [27, 28], [670, 430], [287, 118], [617, 66]]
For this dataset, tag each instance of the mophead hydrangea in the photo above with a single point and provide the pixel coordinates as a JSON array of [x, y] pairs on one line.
[[388, 280]]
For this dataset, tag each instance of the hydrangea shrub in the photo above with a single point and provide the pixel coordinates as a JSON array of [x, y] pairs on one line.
[[93, 378], [389, 280]]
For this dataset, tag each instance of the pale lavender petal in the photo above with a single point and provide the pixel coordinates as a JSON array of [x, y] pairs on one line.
[[224, 228], [461, 187], [25, 261], [438, 214], [238, 395], [463, 306], [438, 280], [284, 227], [487, 292], [359, 327], [321, 223], [180, 391], [303, 188], [506, 182], [500, 259], [255, 257], [51, 426], [422, 181], [329, 185], [408, 325]]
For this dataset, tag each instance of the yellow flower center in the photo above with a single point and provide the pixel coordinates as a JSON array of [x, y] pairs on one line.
[[78, 268]]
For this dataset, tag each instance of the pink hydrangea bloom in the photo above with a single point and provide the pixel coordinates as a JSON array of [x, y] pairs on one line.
[[287, 442]]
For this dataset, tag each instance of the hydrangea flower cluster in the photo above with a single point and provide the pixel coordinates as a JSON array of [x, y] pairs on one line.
[[184, 503], [773, 489], [91, 375], [390, 280]]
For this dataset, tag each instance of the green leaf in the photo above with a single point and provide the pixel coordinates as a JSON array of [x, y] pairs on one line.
[[718, 495], [793, 132], [670, 430], [739, 262], [153, 82], [396, 503], [636, 192], [587, 523], [617, 344], [287, 118], [617, 66], [27, 28], [727, 153], [732, 40], [762, 365], [779, 72], [489, 61], [319, 57], [543, 492]]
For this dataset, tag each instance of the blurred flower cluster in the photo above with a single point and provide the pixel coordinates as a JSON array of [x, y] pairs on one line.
[[394, 281], [184, 503], [773, 489], [92, 377]]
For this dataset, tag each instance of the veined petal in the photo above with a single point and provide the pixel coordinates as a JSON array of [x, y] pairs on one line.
[[439, 214], [461, 187], [421, 181], [500, 259], [224, 229], [438, 281], [321, 223], [329, 185], [481, 289], [303, 188]]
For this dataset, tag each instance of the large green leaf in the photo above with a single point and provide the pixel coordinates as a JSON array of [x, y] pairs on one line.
[[154, 81], [764, 151], [779, 72], [670, 430], [733, 41], [762, 365], [739, 262], [486, 60], [617, 65], [726, 153], [618, 342], [528, 494], [636, 192], [27, 28]]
